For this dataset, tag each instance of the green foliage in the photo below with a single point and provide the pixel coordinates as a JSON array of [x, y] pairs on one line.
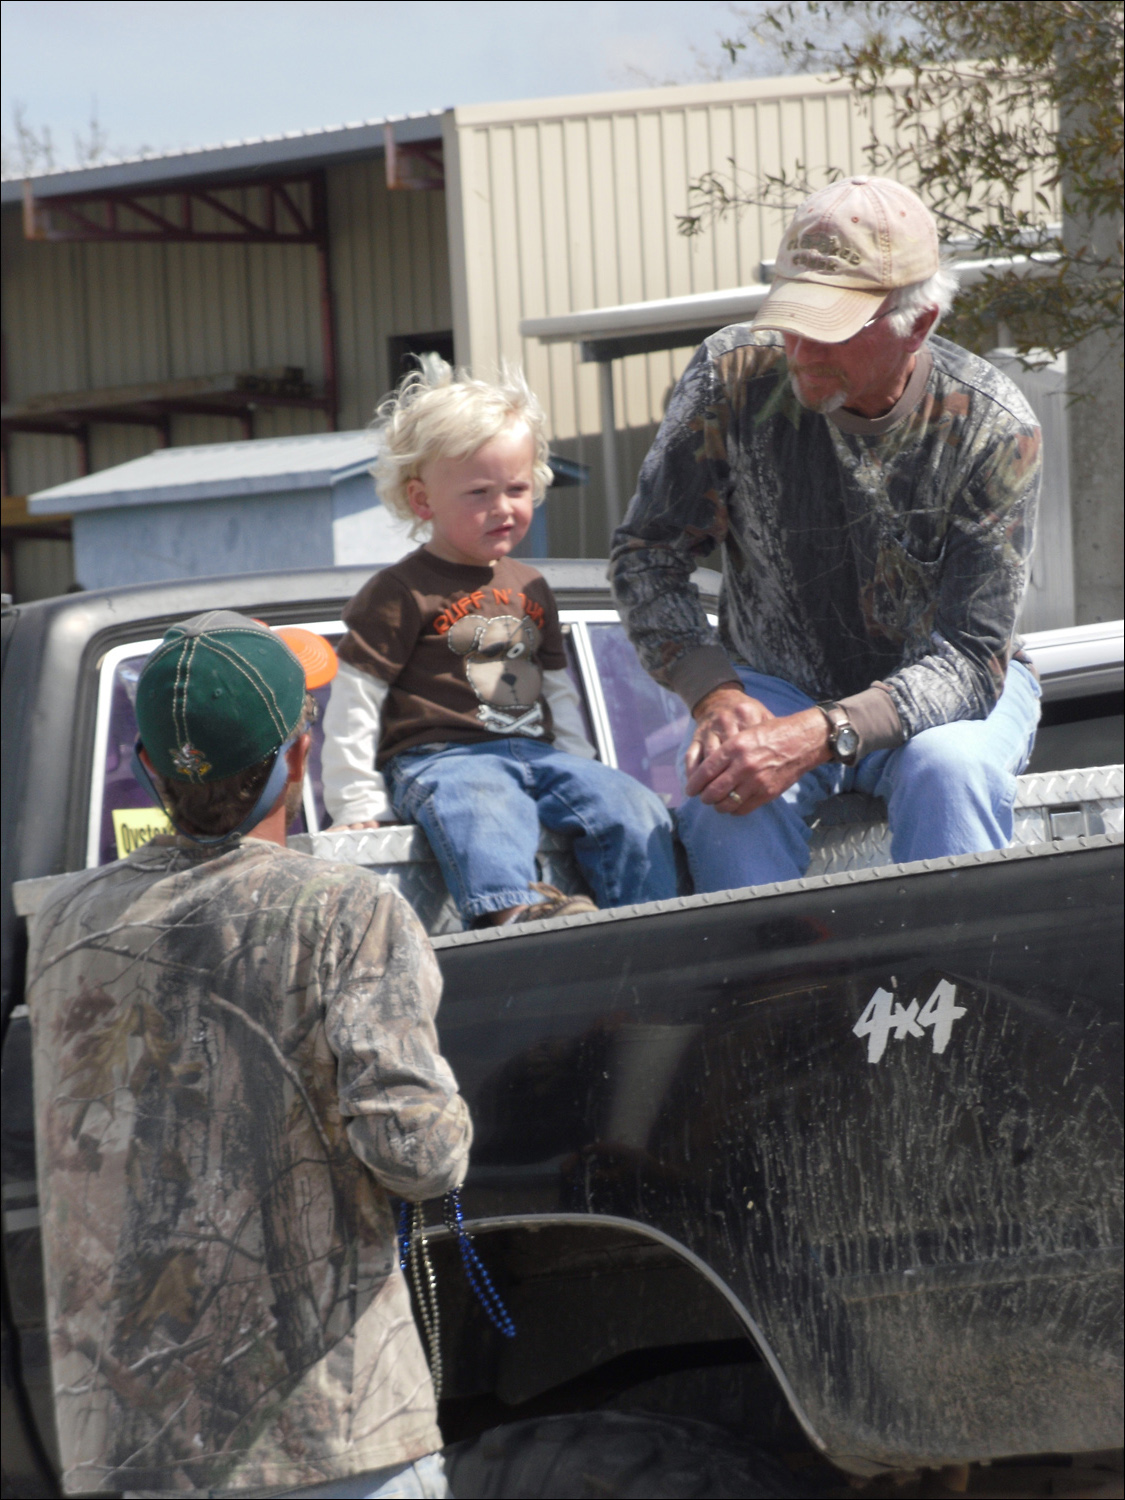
[[999, 110]]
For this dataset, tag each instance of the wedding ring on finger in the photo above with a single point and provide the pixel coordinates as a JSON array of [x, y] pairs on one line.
[[733, 797]]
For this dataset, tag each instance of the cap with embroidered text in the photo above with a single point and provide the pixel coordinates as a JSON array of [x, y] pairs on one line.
[[848, 246]]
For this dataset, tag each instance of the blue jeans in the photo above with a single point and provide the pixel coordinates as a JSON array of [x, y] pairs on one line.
[[424, 1479], [948, 790], [481, 806]]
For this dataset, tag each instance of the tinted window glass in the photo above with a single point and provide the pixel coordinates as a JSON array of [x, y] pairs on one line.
[[648, 722], [576, 678], [313, 765], [121, 790]]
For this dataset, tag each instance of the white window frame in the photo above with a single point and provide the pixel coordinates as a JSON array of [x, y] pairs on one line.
[[578, 620]]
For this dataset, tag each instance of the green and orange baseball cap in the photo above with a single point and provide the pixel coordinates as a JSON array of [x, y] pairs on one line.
[[219, 694]]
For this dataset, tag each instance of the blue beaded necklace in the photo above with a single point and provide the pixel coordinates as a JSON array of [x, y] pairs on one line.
[[479, 1279], [414, 1261]]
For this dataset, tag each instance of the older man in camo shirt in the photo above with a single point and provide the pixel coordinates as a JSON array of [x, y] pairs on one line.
[[873, 493], [235, 1062]]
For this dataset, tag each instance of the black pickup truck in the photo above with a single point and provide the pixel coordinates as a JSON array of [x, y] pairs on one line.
[[785, 1188]]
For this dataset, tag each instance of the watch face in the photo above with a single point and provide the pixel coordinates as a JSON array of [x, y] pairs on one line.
[[847, 740]]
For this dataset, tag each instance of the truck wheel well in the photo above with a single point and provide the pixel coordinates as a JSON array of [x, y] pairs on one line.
[[606, 1316]]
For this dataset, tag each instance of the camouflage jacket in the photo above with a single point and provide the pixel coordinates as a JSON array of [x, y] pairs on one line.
[[855, 552], [235, 1060]]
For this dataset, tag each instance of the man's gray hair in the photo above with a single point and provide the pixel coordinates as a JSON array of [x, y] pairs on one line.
[[909, 302]]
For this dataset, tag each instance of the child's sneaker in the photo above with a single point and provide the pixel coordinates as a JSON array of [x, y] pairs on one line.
[[556, 903]]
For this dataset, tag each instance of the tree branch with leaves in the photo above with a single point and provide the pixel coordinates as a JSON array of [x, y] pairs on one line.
[[1003, 114]]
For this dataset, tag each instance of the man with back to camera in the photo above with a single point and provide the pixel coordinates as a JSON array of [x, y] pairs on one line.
[[235, 1061], [873, 490]]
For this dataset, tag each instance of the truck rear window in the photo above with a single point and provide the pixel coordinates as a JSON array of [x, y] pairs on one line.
[[634, 724]]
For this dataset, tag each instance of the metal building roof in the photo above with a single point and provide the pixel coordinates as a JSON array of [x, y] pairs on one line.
[[233, 158], [215, 471]]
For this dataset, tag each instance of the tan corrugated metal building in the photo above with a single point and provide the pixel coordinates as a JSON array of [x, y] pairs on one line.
[[128, 323], [560, 205]]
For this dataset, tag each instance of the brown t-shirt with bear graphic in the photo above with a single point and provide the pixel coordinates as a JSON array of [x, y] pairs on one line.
[[462, 649]]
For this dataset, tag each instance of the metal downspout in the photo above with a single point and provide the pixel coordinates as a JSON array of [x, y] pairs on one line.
[[327, 301], [609, 448]]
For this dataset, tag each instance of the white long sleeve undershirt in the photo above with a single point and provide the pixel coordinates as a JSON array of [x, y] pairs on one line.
[[354, 791]]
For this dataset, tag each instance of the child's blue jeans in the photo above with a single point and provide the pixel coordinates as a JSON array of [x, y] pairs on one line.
[[948, 790], [481, 806]]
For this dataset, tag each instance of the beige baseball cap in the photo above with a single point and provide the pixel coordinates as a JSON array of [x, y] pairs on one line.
[[848, 246]]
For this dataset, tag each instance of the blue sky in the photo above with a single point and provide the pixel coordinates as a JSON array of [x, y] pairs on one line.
[[167, 75]]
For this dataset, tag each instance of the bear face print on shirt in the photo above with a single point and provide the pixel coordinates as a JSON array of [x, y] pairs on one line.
[[462, 649]]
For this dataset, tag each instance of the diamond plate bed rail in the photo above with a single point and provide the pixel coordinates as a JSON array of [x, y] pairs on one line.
[[1068, 804], [402, 856], [849, 834]]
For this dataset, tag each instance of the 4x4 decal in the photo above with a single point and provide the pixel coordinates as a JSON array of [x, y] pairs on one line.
[[885, 1014]]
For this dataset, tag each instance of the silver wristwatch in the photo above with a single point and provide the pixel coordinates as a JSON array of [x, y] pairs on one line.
[[843, 737]]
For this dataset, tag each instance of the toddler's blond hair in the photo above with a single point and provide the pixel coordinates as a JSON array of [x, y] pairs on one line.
[[436, 413]]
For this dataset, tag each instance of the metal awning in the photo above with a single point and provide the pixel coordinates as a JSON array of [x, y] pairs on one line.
[[606, 333]]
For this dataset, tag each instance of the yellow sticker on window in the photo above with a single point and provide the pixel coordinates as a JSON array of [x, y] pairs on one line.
[[134, 826]]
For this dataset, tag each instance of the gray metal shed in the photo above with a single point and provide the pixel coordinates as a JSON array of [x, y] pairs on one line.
[[219, 508]]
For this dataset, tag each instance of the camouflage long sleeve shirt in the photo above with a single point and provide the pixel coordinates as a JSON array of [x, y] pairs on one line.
[[235, 1058], [890, 552]]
